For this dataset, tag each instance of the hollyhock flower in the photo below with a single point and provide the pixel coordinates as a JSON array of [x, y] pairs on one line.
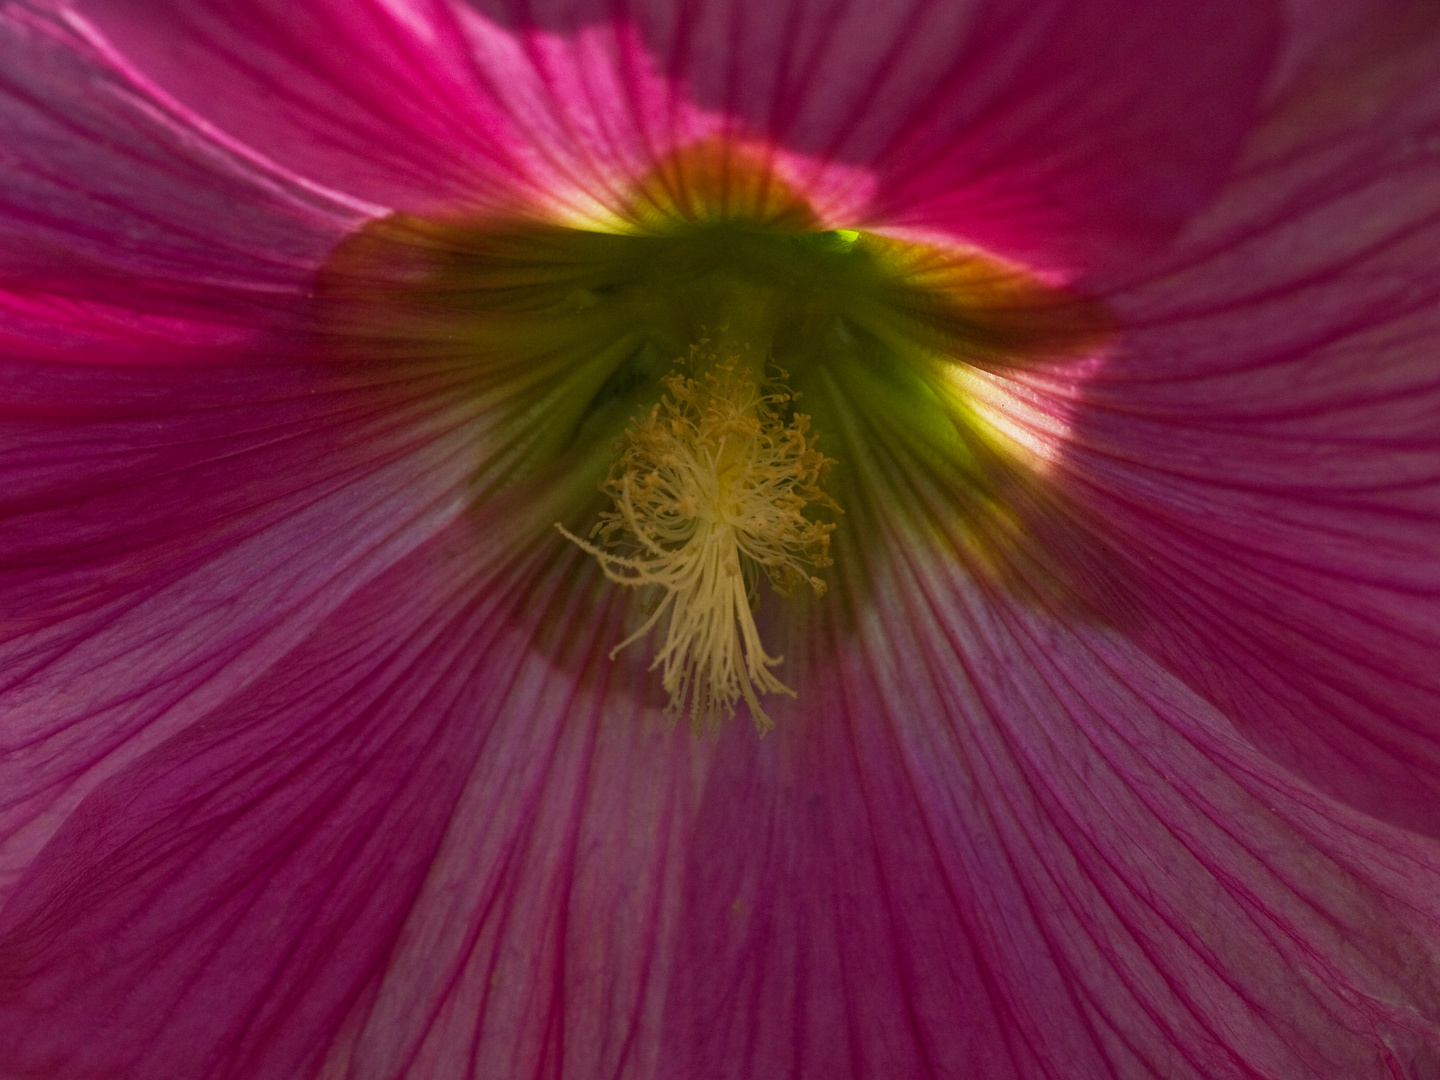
[[1107, 426]]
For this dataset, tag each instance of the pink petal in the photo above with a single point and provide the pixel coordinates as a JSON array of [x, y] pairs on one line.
[[167, 537], [127, 235], [187, 489], [368, 847], [988, 844], [999, 845], [1263, 443], [359, 794], [1044, 130], [385, 100], [1048, 131]]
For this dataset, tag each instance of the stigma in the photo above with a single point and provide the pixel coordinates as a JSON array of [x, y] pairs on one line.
[[710, 491]]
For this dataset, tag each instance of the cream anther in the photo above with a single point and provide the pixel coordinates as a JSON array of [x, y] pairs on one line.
[[710, 490]]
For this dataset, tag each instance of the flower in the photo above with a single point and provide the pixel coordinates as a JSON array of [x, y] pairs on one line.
[[1113, 751]]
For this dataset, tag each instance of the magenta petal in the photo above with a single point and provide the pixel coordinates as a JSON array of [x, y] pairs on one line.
[[166, 534], [1050, 131], [381, 100], [1263, 442], [240, 884], [1041, 129], [305, 772], [407, 838], [410, 852], [115, 203], [999, 846], [1072, 128], [181, 499]]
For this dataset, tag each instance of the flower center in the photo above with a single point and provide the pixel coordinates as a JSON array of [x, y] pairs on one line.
[[710, 489], [642, 355]]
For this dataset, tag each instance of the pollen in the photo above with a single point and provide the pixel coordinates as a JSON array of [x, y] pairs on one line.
[[710, 491]]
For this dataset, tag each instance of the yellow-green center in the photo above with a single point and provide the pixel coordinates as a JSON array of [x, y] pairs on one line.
[[659, 361]]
